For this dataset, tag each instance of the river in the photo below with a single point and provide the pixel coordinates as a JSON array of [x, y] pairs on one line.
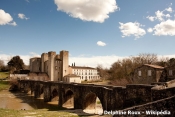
[[23, 101]]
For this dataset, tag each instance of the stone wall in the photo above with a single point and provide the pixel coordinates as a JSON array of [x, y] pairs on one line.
[[165, 105], [137, 94], [162, 93]]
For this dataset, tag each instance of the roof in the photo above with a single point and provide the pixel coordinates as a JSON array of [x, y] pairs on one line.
[[36, 58], [154, 66], [80, 67], [71, 75]]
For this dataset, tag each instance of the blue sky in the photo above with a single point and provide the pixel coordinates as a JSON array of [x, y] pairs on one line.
[[95, 31]]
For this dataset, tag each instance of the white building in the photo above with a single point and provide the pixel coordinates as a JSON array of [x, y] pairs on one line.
[[72, 78], [85, 73]]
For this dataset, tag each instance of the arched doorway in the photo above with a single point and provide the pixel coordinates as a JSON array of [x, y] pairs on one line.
[[92, 104]]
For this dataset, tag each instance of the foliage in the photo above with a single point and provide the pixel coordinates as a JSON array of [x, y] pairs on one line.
[[1, 64], [103, 72], [16, 64]]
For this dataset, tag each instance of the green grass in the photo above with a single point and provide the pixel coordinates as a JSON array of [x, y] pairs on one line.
[[34, 113], [4, 85], [4, 74]]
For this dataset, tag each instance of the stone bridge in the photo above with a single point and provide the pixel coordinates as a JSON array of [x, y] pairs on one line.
[[83, 96]]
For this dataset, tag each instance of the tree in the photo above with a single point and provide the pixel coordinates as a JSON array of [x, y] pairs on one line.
[[171, 62], [15, 64], [124, 68], [103, 73], [163, 61], [1, 64]]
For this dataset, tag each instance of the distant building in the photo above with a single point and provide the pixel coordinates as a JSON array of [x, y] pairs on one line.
[[72, 78], [55, 65], [168, 74], [19, 74], [58, 69], [147, 73], [85, 73]]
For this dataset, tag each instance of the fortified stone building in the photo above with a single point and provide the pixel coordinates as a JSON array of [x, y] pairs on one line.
[[58, 69]]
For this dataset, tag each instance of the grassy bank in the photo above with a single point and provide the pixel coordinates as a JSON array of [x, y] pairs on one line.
[[4, 85], [34, 113], [4, 74]]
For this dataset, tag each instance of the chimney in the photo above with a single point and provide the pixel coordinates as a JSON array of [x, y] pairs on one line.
[[74, 63]]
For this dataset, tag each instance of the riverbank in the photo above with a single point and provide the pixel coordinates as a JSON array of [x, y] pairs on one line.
[[35, 113], [8, 97], [18, 104], [4, 85]]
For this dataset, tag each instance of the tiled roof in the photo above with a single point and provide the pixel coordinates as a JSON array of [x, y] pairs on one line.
[[80, 67], [36, 58], [154, 66], [71, 75]]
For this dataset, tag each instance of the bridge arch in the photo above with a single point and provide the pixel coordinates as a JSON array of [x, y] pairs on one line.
[[54, 95], [68, 99], [92, 103], [42, 92]]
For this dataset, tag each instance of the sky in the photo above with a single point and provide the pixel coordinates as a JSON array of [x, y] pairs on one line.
[[93, 31]]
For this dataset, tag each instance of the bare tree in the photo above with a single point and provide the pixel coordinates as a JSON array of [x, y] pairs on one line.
[[1, 64], [103, 72], [163, 61]]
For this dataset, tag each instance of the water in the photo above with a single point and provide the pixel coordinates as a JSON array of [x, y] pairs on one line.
[[23, 101]]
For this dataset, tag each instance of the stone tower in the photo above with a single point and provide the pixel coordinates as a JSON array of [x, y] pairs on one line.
[[44, 58], [64, 56], [51, 58], [57, 71], [35, 64]]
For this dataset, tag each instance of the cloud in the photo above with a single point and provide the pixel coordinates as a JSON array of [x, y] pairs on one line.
[[169, 9], [13, 24], [165, 28], [131, 28], [92, 61], [6, 18], [105, 61], [22, 16], [151, 18], [88, 10], [27, 0], [149, 30], [6, 57], [100, 43], [160, 15]]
